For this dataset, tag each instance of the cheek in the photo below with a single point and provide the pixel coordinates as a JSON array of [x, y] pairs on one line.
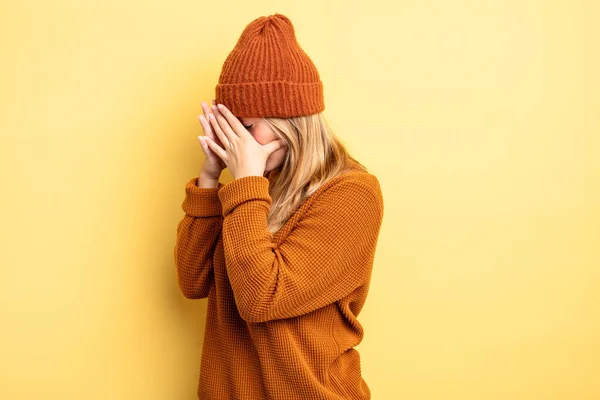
[[262, 137]]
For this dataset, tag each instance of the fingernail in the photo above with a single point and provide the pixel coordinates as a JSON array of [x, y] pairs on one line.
[[220, 106]]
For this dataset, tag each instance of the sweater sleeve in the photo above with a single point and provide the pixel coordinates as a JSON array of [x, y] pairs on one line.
[[327, 255], [197, 235]]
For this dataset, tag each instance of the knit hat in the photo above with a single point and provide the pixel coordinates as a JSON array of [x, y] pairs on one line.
[[267, 74]]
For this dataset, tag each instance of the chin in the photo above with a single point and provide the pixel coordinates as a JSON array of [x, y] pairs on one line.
[[270, 167]]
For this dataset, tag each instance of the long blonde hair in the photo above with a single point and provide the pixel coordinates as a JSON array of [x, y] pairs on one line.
[[315, 155]]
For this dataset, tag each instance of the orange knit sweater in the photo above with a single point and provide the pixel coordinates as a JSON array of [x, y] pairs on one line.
[[282, 308]]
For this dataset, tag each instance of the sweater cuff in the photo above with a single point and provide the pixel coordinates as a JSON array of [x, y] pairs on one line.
[[201, 202], [238, 191]]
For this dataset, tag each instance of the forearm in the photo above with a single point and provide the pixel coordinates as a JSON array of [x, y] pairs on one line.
[[197, 235], [194, 252]]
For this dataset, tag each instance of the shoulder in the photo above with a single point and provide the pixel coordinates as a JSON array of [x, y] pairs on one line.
[[357, 188], [353, 178], [357, 177]]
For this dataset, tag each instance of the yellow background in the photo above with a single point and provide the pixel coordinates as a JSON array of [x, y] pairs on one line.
[[478, 117]]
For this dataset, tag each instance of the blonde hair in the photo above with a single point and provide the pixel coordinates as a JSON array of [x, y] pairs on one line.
[[314, 156]]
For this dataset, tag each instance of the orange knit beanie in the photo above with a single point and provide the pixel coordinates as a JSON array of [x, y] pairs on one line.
[[267, 74]]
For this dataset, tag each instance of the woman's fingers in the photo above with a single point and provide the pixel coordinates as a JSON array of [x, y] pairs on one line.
[[204, 120], [226, 127], [217, 129], [218, 150], [205, 149], [232, 120], [203, 145], [206, 125], [205, 109]]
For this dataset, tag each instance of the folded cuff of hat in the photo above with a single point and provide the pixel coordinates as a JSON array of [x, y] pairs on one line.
[[271, 98], [201, 202], [241, 190]]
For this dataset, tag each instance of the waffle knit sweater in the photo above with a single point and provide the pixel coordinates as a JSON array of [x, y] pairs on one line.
[[282, 308]]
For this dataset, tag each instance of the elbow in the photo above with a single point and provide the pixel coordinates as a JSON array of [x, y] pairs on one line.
[[253, 314], [193, 283], [255, 298], [253, 318], [194, 294], [249, 315], [187, 293], [194, 290]]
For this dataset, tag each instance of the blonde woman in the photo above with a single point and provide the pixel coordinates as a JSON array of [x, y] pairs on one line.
[[284, 252]]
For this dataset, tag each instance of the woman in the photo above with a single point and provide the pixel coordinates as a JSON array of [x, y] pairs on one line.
[[284, 252]]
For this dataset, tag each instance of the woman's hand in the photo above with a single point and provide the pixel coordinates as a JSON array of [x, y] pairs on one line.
[[242, 154], [213, 165]]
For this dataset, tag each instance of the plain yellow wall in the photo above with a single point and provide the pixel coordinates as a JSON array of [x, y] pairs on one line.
[[478, 117]]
